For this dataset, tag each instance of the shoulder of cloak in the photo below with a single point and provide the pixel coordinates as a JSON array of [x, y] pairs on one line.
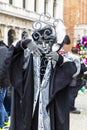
[[61, 78]]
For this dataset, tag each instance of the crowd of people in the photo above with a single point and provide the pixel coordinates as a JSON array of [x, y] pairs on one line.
[[44, 83]]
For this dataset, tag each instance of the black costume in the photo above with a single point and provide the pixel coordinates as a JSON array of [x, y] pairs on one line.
[[23, 92], [40, 80]]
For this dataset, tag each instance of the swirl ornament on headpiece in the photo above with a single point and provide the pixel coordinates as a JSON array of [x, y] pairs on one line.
[[56, 22], [44, 31], [48, 30], [43, 19]]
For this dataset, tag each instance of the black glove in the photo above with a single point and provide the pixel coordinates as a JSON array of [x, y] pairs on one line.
[[53, 55], [27, 43], [21, 43]]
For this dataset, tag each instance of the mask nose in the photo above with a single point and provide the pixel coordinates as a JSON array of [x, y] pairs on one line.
[[43, 45], [42, 37]]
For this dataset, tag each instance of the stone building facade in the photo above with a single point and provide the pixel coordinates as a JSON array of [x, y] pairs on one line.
[[18, 15], [75, 18]]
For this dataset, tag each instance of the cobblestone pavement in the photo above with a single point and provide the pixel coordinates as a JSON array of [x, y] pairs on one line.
[[78, 121]]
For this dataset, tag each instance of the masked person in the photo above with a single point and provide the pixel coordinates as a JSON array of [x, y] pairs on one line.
[[40, 79]]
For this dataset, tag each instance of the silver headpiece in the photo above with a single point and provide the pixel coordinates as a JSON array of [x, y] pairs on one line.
[[48, 30]]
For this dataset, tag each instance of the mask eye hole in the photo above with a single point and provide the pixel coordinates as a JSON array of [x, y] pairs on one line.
[[36, 36]]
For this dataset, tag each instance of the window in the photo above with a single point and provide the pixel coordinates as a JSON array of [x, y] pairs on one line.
[[11, 2], [35, 5], [54, 8], [24, 4], [45, 7]]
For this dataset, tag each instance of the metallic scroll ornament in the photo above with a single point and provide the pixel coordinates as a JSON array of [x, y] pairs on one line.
[[48, 30]]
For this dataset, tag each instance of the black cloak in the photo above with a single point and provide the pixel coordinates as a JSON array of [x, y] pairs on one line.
[[23, 93]]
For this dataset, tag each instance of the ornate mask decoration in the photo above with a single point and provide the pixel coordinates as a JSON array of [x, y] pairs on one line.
[[46, 35]]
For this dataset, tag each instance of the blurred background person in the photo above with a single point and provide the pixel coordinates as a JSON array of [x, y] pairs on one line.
[[4, 83], [76, 83], [7, 100]]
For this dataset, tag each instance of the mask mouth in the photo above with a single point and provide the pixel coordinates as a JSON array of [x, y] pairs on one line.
[[46, 51], [44, 48]]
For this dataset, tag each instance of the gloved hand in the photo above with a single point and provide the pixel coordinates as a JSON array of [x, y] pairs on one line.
[[53, 55], [15, 43], [21, 43], [34, 48], [27, 43]]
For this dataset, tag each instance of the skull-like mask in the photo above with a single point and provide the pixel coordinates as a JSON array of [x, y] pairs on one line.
[[49, 37], [45, 38]]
